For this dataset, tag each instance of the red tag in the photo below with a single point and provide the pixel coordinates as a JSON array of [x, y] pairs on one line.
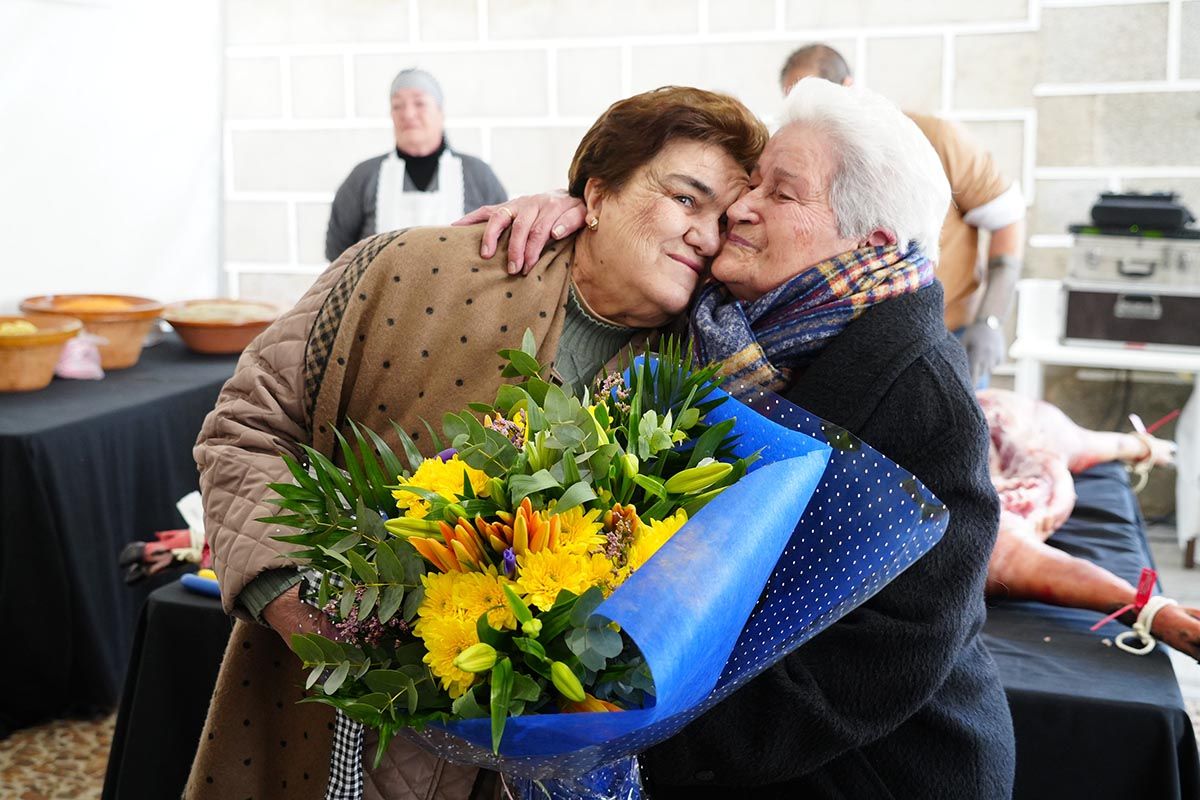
[[1145, 588]]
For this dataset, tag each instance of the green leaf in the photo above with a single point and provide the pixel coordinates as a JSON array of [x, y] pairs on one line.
[[412, 602], [324, 590], [370, 595], [336, 556], [528, 343], [435, 440], [558, 406], [337, 678], [381, 497], [359, 485], [314, 676], [377, 700], [390, 567], [330, 650], [502, 689], [454, 426], [345, 543], [390, 602], [467, 707], [327, 471], [651, 484], [585, 606], [521, 486], [388, 681], [409, 654], [411, 452], [306, 649], [525, 688], [594, 645], [579, 493], [362, 568], [391, 464], [346, 604], [301, 474]]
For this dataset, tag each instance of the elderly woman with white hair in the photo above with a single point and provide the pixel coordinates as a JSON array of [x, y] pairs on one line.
[[828, 297]]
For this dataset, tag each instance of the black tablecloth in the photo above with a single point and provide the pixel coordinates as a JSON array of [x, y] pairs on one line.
[[1092, 720], [172, 671], [85, 467]]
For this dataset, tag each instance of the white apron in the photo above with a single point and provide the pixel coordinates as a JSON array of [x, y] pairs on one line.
[[396, 208]]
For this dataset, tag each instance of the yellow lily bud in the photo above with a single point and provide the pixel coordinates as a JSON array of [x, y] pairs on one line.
[[629, 463], [565, 681], [479, 657], [453, 512], [411, 526], [532, 628], [697, 479]]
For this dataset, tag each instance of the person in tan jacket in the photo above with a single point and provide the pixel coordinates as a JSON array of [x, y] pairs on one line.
[[978, 296], [405, 326]]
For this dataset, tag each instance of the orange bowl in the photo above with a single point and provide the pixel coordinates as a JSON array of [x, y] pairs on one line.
[[220, 325], [27, 357], [122, 320]]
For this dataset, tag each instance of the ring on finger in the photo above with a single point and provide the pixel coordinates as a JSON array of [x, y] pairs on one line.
[[508, 211]]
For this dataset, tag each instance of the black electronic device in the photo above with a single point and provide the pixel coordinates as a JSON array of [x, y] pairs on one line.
[[1160, 211]]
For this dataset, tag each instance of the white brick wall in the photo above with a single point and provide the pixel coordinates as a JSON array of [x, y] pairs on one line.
[[1073, 96]]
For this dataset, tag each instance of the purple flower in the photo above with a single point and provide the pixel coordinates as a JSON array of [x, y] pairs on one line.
[[447, 454], [510, 562]]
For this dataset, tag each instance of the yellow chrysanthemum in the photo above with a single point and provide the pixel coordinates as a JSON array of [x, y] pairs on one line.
[[652, 535], [441, 597], [579, 532], [479, 592], [444, 640], [547, 572], [443, 477]]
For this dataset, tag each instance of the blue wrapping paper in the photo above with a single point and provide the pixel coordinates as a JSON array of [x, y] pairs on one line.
[[819, 524]]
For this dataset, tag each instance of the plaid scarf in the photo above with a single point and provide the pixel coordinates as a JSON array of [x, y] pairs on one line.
[[764, 343]]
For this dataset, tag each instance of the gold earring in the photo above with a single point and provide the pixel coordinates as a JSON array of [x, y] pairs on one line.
[[593, 223]]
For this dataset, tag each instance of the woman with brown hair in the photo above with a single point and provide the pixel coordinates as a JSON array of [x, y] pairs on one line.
[[405, 326]]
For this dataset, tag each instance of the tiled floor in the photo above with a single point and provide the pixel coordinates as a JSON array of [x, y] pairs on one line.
[[62, 760]]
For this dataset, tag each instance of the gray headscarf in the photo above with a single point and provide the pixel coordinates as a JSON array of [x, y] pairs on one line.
[[417, 79]]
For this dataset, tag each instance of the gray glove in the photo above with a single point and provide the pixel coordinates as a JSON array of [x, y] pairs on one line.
[[985, 349]]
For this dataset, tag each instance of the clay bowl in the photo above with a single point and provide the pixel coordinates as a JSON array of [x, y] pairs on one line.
[[219, 326], [27, 359], [122, 320]]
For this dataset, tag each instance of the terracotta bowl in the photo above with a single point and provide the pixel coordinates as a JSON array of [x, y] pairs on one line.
[[219, 325], [27, 359], [123, 320]]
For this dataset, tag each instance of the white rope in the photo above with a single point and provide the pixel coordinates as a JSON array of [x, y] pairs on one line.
[[1141, 628]]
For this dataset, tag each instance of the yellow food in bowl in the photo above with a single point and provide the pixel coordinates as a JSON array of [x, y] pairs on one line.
[[92, 305], [18, 327]]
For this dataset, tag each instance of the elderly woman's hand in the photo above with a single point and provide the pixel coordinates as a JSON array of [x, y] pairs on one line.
[[288, 614], [534, 220]]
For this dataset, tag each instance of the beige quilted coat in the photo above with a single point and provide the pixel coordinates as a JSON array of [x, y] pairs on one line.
[[403, 326]]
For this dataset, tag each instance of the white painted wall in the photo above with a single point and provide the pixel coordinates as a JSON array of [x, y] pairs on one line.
[[110, 147], [1071, 96]]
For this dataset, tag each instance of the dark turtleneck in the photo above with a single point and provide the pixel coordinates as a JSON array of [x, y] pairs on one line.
[[421, 169]]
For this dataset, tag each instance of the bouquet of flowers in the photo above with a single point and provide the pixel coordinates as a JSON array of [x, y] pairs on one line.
[[569, 579]]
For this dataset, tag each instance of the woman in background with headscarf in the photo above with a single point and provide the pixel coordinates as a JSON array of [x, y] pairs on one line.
[[422, 181]]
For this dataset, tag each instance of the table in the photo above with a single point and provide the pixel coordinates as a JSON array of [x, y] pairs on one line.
[[1093, 721], [172, 670], [86, 467], [1041, 309]]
